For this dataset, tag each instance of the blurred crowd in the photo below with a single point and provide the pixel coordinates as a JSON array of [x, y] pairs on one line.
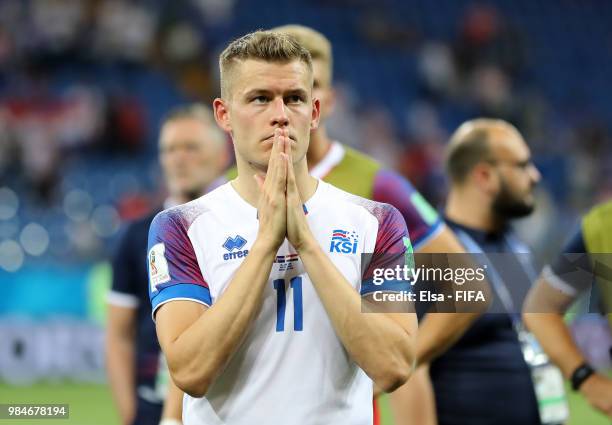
[[84, 84], [64, 68]]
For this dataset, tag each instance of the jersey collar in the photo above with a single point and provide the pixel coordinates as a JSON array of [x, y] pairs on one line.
[[311, 205]]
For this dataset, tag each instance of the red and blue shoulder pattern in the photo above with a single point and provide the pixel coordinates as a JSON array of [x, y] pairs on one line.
[[422, 219], [174, 272], [391, 249]]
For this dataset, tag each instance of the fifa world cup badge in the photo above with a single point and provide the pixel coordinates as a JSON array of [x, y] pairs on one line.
[[158, 266]]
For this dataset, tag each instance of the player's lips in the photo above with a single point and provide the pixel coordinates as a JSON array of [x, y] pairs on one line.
[[270, 138]]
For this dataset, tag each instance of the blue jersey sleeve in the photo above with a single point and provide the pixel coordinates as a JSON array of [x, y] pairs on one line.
[[129, 281], [392, 249], [174, 272], [422, 219]]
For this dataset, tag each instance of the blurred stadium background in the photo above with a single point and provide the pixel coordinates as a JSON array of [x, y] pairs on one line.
[[84, 83]]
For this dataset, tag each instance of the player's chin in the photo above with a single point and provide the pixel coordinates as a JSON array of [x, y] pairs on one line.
[[262, 152]]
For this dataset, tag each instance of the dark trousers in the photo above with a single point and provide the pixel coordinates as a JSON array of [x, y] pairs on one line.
[[147, 413]]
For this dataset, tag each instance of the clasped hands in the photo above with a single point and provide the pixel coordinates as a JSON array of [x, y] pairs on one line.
[[280, 209]]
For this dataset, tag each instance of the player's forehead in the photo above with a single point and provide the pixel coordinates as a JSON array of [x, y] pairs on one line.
[[252, 75]]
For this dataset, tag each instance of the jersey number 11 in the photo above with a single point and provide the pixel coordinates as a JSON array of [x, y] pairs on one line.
[[281, 303]]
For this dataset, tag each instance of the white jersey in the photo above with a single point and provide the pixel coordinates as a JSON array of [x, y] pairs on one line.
[[291, 369]]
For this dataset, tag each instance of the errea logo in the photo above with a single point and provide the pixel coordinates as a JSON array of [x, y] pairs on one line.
[[344, 242], [231, 244]]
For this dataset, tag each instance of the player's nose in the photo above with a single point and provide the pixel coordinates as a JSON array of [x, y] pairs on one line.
[[280, 118]]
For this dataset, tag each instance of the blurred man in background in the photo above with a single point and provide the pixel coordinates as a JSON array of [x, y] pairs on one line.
[[192, 154], [560, 284], [491, 182]]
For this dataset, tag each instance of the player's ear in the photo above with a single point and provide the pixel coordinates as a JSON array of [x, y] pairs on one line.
[[222, 114], [316, 113]]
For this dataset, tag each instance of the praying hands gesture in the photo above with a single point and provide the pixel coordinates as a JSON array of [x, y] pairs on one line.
[[280, 210]]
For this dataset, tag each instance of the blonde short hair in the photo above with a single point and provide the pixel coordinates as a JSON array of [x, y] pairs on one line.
[[268, 46]]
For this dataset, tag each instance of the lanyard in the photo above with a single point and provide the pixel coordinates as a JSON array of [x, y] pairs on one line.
[[517, 247], [547, 380]]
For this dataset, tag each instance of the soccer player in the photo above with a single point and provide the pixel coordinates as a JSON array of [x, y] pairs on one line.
[[560, 284], [192, 153], [256, 286]]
